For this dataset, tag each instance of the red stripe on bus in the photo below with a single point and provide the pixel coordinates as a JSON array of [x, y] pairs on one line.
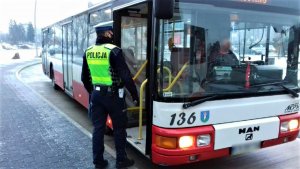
[[167, 160], [59, 79], [80, 94]]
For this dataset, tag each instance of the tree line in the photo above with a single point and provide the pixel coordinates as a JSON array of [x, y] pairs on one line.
[[18, 32]]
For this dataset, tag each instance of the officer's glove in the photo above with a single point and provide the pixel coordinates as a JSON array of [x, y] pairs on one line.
[[136, 102]]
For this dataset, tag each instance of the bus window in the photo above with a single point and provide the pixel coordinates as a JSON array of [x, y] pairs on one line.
[[102, 15], [57, 50], [51, 42], [79, 38], [258, 42], [92, 36]]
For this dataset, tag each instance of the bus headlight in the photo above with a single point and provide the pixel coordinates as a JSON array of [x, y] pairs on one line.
[[293, 124], [203, 140], [289, 125], [186, 141]]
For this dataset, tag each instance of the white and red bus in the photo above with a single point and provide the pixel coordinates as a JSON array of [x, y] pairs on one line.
[[197, 101]]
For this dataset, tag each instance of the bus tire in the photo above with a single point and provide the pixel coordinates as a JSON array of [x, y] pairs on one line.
[[108, 131], [54, 85]]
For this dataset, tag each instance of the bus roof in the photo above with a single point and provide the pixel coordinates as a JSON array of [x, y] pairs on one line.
[[119, 4], [115, 4]]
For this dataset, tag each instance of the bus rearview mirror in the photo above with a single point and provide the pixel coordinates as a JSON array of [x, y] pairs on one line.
[[163, 9]]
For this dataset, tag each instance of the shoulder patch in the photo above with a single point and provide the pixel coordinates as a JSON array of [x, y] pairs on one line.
[[110, 46]]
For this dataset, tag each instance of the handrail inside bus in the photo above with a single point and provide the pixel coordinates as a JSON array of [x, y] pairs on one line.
[[169, 72], [176, 78], [140, 70], [142, 88], [134, 109]]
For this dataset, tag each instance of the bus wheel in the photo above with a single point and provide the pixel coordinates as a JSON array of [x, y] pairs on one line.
[[55, 86], [108, 131]]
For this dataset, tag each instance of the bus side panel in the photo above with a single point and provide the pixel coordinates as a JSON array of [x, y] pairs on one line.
[[79, 92], [58, 72]]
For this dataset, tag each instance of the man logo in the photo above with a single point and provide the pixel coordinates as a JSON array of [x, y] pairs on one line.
[[249, 137], [204, 116], [248, 130]]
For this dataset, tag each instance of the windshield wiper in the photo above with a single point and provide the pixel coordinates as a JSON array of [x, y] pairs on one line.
[[196, 102], [290, 91]]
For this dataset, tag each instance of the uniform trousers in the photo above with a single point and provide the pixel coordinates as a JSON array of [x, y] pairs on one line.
[[103, 103]]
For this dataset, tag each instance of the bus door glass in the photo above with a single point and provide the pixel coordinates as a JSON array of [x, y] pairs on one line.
[[134, 46], [67, 57], [44, 51]]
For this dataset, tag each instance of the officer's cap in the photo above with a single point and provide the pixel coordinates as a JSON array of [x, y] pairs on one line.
[[102, 29], [106, 26]]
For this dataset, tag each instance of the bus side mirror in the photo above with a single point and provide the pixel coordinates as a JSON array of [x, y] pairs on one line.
[[163, 9]]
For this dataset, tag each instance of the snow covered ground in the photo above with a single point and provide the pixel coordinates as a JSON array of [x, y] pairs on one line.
[[7, 54]]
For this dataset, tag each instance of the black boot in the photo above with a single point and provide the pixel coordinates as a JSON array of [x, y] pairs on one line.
[[124, 164], [101, 165]]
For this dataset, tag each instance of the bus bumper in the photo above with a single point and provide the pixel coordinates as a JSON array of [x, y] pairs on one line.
[[166, 160], [177, 156]]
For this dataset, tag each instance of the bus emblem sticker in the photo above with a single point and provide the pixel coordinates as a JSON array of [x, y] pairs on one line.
[[204, 116], [292, 108]]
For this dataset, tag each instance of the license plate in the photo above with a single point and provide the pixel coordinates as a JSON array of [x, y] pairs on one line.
[[245, 148]]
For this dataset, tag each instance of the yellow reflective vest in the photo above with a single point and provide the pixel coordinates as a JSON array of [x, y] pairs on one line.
[[97, 57]]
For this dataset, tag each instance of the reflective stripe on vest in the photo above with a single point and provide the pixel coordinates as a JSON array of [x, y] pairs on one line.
[[98, 62]]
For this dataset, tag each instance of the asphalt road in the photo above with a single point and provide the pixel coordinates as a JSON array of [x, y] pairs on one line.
[[286, 156]]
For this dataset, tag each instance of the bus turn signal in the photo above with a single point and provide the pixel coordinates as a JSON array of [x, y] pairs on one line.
[[166, 142]]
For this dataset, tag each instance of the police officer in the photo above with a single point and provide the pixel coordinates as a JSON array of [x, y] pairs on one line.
[[104, 74]]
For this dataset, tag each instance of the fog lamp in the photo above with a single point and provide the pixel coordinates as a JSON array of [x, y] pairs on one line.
[[284, 127], [193, 157], [186, 141], [203, 140]]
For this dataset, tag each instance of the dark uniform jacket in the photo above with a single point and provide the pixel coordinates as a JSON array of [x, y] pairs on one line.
[[118, 64]]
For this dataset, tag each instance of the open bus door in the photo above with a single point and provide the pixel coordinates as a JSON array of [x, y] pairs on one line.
[[132, 32]]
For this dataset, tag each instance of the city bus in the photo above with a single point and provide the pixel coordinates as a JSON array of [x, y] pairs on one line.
[[216, 78]]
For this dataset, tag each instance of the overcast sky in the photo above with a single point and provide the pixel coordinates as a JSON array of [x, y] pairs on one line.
[[48, 11]]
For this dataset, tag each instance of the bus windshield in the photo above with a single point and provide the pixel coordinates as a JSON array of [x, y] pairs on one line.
[[212, 48]]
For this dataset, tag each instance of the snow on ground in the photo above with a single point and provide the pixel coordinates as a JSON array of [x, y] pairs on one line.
[[25, 54]]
